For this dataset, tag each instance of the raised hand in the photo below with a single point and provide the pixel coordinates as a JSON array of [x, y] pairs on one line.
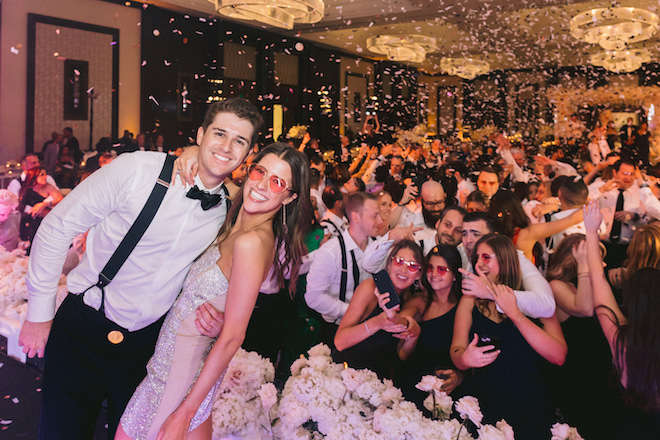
[[592, 216], [476, 285]]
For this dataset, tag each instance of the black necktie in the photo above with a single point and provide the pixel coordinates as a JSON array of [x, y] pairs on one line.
[[356, 271], [615, 235], [208, 200]]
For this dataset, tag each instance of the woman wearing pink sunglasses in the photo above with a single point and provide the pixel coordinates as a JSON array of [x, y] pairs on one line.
[[434, 308], [369, 332], [505, 349]]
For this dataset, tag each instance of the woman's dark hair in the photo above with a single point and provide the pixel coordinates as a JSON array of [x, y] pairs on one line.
[[30, 180], [419, 258], [506, 209], [562, 265], [637, 343], [289, 236], [454, 262]]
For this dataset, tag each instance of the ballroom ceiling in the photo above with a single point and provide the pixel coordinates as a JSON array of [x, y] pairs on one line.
[[509, 34]]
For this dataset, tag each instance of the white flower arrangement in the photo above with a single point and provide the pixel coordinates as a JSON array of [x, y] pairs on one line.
[[437, 402], [561, 431], [13, 291], [246, 398], [568, 100], [325, 400], [418, 135]]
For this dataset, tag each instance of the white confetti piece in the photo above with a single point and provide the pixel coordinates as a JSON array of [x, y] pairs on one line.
[[14, 50], [15, 400], [6, 422]]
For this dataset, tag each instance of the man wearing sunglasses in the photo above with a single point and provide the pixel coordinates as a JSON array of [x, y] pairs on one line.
[[535, 300], [103, 335]]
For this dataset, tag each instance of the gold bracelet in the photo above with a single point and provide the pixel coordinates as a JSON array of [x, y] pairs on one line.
[[367, 327]]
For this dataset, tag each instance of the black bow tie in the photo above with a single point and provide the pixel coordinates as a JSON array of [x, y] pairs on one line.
[[208, 200]]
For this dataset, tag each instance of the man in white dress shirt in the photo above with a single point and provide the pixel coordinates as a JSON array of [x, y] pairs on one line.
[[99, 351], [535, 301], [324, 278], [625, 205]]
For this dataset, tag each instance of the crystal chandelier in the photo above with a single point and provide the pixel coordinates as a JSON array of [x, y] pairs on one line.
[[279, 13], [621, 61], [614, 28], [466, 68], [404, 48]]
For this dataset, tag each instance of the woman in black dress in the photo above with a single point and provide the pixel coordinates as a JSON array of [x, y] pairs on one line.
[[634, 338], [369, 332], [434, 309], [506, 350], [582, 386], [38, 196]]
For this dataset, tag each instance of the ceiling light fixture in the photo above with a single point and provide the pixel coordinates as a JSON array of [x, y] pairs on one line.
[[404, 48], [614, 28], [621, 61], [467, 68], [279, 13]]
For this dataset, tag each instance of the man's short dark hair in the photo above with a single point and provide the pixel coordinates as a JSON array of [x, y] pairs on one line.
[[462, 211], [557, 183], [315, 158], [624, 160], [574, 191], [331, 195], [356, 201], [490, 169], [238, 107], [460, 168], [477, 216], [25, 156]]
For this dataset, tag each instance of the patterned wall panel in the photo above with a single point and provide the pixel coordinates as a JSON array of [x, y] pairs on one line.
[[53, 45], [240, 61]]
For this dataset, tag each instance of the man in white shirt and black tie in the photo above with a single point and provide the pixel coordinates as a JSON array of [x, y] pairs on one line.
[[625, 205], [99, 341]]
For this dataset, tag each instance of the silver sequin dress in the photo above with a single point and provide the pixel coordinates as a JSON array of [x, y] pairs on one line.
[[179, 355]]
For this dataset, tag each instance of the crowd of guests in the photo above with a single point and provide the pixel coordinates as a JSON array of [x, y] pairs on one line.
[[490, 254], [497, 256]]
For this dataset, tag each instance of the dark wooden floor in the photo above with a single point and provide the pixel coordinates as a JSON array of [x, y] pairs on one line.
[[20, 400]]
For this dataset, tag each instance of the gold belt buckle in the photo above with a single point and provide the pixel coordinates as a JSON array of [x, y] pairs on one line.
[[115, 337]]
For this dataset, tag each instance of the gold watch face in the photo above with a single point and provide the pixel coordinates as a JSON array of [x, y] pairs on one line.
[[115, 336]]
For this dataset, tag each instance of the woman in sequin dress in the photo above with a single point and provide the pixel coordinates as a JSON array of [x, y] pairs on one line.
[[271, 212]]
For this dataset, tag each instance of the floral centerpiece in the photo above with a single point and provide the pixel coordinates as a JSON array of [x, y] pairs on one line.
[[246, 397], [326, 400], [13, 291], [417, 135]]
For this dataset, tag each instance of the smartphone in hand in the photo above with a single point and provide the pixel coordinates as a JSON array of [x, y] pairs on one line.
[[384, 284], [485, 340]]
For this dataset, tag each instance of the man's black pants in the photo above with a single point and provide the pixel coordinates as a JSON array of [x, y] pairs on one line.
[[83, 368]]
